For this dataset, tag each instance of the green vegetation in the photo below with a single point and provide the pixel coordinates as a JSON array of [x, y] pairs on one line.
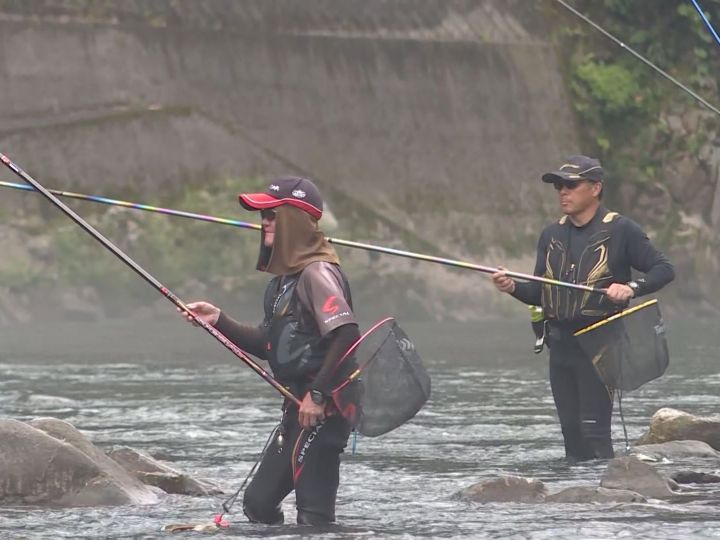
[[20, 274], [621, 103]]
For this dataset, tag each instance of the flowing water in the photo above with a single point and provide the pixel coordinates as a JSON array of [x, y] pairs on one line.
[[172, 391]]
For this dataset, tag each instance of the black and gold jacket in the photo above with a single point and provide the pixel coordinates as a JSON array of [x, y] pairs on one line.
[[602, 252]]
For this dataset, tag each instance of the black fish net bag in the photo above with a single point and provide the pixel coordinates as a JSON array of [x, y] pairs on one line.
[[629, 348], [381, 382]]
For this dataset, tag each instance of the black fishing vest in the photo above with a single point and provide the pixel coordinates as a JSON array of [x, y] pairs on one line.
[[591, 268], [294, 352]]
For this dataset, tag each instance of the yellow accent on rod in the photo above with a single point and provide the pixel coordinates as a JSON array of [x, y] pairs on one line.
[[616, 316]]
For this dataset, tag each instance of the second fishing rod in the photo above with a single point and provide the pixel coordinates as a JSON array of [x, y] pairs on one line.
[[346, 243]]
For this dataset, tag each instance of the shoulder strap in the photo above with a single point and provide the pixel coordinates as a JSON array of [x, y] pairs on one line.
[[610, 216]]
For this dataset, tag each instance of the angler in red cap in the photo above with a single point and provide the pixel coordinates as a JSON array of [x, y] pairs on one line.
[[308, 326]]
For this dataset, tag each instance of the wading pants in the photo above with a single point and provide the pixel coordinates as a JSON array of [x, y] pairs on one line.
[[307, 461], [584, 404]]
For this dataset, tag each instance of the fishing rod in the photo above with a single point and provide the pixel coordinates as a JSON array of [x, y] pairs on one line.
[[706, 21], [237, 351], [347, 243]]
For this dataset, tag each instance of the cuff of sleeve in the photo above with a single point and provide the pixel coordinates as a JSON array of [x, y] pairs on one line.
[[222, 321], [517, 291], [639, 288], [322, 387]]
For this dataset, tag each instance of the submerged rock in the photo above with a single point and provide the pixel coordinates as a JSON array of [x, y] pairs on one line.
[[589, 494], [694, 477], [505, 489], [673, 450], [150, 471], [629, 473], [672, 425], [48, 461]]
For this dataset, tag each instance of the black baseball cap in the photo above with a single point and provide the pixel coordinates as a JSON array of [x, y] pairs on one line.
[[293, 190], [576, 168]]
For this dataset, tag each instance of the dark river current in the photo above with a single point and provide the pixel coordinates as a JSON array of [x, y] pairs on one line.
[[169, 389]]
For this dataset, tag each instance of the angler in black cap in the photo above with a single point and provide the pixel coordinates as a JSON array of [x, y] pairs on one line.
[[308, 326], [591, 246]]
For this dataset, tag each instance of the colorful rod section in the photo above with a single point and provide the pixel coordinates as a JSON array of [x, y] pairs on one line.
[[36, 186], [347, 243], [136, 206]]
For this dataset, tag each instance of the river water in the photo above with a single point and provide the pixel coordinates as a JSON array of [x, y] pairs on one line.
[[169, 389]]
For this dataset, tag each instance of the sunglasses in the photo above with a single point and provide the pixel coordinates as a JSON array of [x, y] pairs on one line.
[[268, 214], [569, 184]]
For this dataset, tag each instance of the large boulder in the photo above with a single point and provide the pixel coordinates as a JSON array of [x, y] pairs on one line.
[[589, 494], [505, 489], [672, 425], [48, 461], [674, 450], [631, 474], [150, 471]]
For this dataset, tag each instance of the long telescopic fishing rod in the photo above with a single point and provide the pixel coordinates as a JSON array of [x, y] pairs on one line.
[[237, 351], [338, 241]]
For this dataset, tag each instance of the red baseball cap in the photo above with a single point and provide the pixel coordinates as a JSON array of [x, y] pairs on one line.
[[293, 190]]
